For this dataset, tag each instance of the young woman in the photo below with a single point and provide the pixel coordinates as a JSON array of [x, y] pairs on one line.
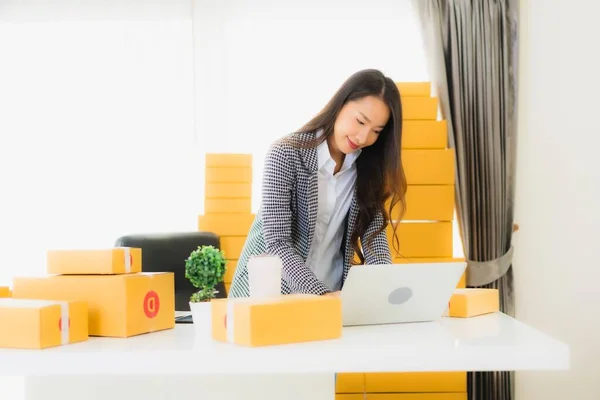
[[326, 187]]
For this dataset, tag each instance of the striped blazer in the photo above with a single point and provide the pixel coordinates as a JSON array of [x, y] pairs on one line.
[[285, 222]]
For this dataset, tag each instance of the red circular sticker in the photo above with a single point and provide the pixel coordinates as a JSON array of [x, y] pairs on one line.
[[151, 304], [60, 323]]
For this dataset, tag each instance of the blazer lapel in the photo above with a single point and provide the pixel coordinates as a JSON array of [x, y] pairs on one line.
[[311, 163], [349, 251]]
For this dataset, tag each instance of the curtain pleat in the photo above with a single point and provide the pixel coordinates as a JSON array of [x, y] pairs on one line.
[[471, 48]]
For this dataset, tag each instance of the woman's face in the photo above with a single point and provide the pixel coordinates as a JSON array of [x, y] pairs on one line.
[[359, 123]]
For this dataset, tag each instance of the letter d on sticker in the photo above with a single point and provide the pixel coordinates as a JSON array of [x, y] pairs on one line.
[[151, 304]]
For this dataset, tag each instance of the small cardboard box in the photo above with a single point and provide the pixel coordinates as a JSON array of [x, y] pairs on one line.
[[119, 305], [284, 319], [228, 160], [466, 303], [39, 324], [231, 224], [5, 292], [119, 260]]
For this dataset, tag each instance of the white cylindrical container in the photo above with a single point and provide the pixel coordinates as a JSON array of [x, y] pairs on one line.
[[264, 276]]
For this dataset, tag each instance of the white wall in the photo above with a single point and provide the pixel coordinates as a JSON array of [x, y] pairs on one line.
[[107, 114], [557, 264], [270, 66], [96, 125]]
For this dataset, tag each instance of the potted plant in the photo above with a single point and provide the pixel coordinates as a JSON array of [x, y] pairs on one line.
[[204, 268]]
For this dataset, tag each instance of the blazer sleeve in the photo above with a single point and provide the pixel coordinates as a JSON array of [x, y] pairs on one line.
[[278, 183], [379, 251]]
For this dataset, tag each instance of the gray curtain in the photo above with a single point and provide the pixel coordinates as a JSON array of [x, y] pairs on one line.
[[471, 47]]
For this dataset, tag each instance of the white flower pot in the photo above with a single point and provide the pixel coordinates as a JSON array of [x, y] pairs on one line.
[[202, 317]]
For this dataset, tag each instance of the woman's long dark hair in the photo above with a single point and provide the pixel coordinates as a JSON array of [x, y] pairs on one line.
[[380, 175]]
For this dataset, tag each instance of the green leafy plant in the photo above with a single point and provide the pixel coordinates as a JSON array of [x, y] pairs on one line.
[[205, 268]]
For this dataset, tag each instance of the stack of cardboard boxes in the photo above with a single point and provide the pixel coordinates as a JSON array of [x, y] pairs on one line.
[[91, 292], [228, 203], [424, 234], [5, 292]]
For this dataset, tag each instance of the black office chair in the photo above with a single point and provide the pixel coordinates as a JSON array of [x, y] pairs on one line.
[[167, 252]]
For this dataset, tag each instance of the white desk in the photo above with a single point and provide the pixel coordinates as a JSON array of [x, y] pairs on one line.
[[176, 364]]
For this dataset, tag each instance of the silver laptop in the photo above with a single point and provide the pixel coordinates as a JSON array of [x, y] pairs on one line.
[[395, 293]]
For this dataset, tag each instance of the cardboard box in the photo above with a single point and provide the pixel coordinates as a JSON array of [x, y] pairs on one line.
[[228, 191], [414, 396], [119, 305], [5, 292], [283, 319], [422, 239], [231, 224], [414, 89], [243, 206], [416, 382], [232, 246], [229, 175], [427, 203], [425, 134], [228, 160], [419, 108], [466, 303], [118, 260], [230, 267], [350, 382], [39, 324], [429, 167]]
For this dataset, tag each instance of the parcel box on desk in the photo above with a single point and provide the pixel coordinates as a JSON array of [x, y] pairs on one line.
[[5, 292], [119, 260], [471, 302], [119, 305], [39, 324], [293, 318]]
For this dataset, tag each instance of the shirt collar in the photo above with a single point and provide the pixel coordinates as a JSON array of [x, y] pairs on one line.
[[324, 158]]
